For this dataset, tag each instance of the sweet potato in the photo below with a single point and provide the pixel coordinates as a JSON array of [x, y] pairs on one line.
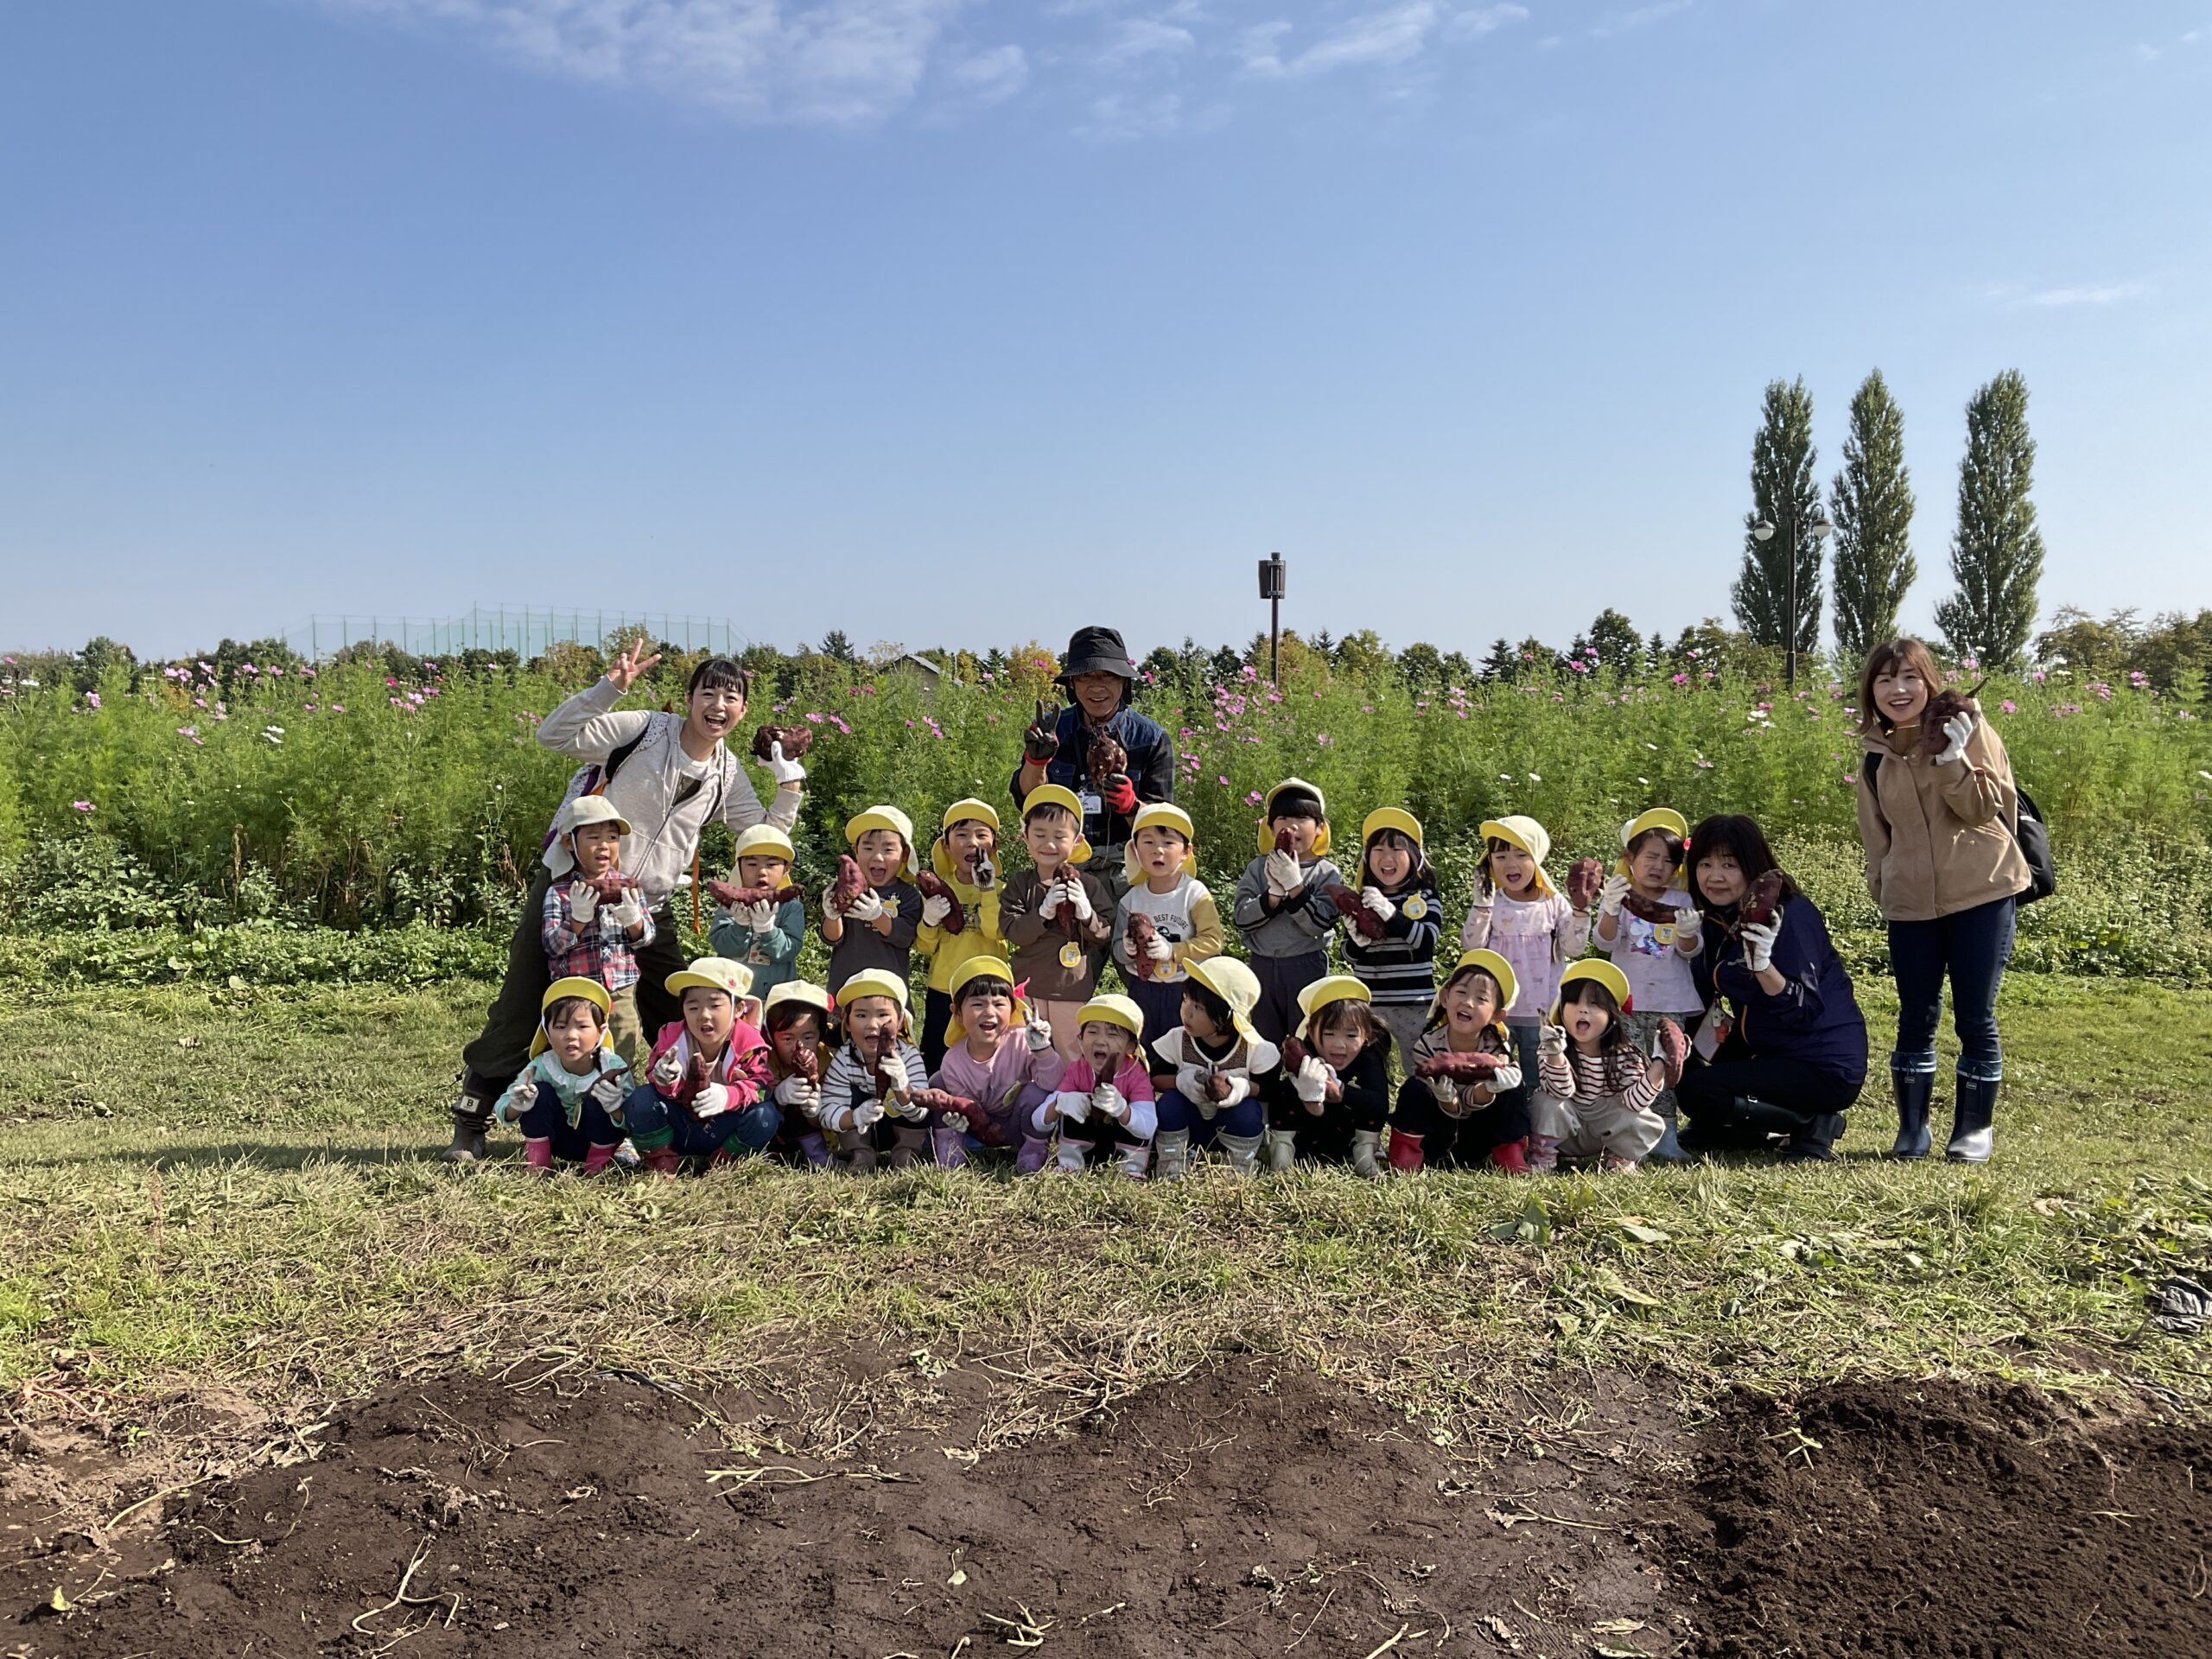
[[1140, 935], [731, 897], [1294, 1054], [1217, 1086], [1041, 743], [1672, 1051], [1941, 707], [1650, 910], [795, 740], [1106, 761], [1285, 842], [940, 1100], [610, 886], [1762, 901], [1349, 906], [934, 886], [1584, 877], [850, 884], [1477, 1067]]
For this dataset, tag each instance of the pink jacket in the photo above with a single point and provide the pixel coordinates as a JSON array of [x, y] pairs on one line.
[[997, 1086]]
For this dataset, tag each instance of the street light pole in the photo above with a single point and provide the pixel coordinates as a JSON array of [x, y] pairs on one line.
[[1762, 532], [1271, 588]]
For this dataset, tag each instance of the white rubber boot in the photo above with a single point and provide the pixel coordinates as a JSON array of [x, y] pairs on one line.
[[1243, 1152], [1281, 1147], [1171, 1154], [1366, 1145]]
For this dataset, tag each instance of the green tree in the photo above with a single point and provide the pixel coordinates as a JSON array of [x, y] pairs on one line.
[[1784, 494], [1997, 554], [1423, 664], [835, 644], [2088, 647], [100, 654], [1501, 664], [1614, 639], [1362, 655], [1873, 523]]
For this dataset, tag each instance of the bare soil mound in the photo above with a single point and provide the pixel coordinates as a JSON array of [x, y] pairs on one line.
[[1943, 1522]]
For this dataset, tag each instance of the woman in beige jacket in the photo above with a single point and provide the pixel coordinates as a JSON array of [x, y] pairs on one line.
[[1937, 809]]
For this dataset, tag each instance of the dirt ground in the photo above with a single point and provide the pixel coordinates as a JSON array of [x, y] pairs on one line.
[[1255, 1509]]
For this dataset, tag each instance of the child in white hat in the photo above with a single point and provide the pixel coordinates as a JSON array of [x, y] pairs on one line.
[[594, 922]]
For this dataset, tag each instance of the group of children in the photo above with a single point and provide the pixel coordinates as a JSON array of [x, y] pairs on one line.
[[1524, 1051]]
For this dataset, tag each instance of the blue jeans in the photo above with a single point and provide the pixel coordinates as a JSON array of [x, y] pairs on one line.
[[1973, 947], [546, 1121], [656, 1124], [1246, 1118]]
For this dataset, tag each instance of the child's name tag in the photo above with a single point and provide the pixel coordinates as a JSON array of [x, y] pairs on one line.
[[1071, 955], [1091, 804]]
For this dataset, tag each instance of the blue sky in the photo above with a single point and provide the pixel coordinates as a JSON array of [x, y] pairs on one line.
[[944, 321]]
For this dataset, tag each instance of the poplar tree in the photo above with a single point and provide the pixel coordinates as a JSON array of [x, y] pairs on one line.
[[1872, 498], [1997, 554], [1786, 495]]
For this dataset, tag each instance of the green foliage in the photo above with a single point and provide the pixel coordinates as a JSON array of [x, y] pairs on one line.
[[1997, 554], [1874, 565], [1785, 495]]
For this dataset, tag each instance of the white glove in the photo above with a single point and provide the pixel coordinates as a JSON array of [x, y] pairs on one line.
[[866, 908], [1081, 901], [1312, 1080], [867, 1114], [583, 901], [1106, 1100], [934, 910], [1284, 877], [1239, 1087], [1958, 728], [799, 1093], [1074, 1108], [1159, 948], [956, 1122], [628, 914], [1551, 1039], [668, 1071], [1689, 930], [1190, 1084], [1379, 902], [711, 1101], [1758, 944], [608, 1091], [760, 917], [1039, 1034], [1612, 893], [521, 1096], [783, 770], [909, 1111], [1051, 902], [891, 1077]]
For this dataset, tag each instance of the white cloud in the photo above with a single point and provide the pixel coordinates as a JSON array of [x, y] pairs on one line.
[[1621, 22], [1136, 39], [832, 62], [1117, 118], [1389, 36], [1477, 21], [2089, 294], [989, 77]]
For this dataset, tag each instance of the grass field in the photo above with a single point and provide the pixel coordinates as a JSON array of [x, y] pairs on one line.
[[240, 1194]]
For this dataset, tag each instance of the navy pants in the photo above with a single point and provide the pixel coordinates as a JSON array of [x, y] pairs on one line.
[[1162, 1007], [1282, 978], [655, 1122], [1247, 1117], [1971, 947], [547, 1121], [1465, 1143], [936, 1014]]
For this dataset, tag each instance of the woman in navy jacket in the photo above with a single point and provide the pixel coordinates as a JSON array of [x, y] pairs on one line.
[[1795, 1057]]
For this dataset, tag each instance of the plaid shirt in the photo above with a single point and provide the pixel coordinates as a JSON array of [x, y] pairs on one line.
[[593, 949]]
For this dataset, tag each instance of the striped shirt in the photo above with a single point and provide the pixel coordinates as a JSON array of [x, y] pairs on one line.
[[1577, 1076], [1398, 970], [1457, 1100], [852, 1079]]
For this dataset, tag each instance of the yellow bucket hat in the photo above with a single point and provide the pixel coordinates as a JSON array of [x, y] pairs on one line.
[[1234, 984], [967, 811], [1167, 816], [733, 979], [1382, 818], [1113, 1010], [1595, 967], [885, 817], [955, 1029], [878, 982], [1268, 835], [1061, 795], [1530, 836], [764, 841], [560, 991], [1659, 818], [1491, 963], [1336, 987]]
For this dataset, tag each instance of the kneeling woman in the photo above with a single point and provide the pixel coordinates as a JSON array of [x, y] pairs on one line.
[[1794, 1058]]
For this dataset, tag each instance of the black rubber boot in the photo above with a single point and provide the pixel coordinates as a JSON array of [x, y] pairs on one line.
[[1972, 1138], [1914, 1090], [472, 1122], [1815, 1142]]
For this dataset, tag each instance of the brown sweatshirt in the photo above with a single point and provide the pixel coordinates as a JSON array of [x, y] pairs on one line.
[[1040, 944], [1939, 839]]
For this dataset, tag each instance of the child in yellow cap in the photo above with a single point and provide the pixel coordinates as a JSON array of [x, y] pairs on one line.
[[796, 1018], [1058, 915], [1283, 906], [1595, 1092], [872, 913], [999, 1054], [762, 934], [706, 1088], [1391, 940], [568, 1100], [1649, 926], [1103, 1110], [868, 1098], [960, 916], [1463, 1104], [1338, 1069], [1221, 1065], [1517, 913], [1167, 919]]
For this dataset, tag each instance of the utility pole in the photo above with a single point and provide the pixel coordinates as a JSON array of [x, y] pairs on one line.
[[1271, 586]]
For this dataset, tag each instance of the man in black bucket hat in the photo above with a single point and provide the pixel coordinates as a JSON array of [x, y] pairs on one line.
[[1100, 682]]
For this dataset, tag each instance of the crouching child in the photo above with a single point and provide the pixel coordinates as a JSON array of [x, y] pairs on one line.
[[568, 1100], [706, 1088], [1596, 1094], [1000, 1054], [1104, 1111], [797, 1020], [1463, 1105], [1221, 1065], [1338, 1073], [869, 1097]]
